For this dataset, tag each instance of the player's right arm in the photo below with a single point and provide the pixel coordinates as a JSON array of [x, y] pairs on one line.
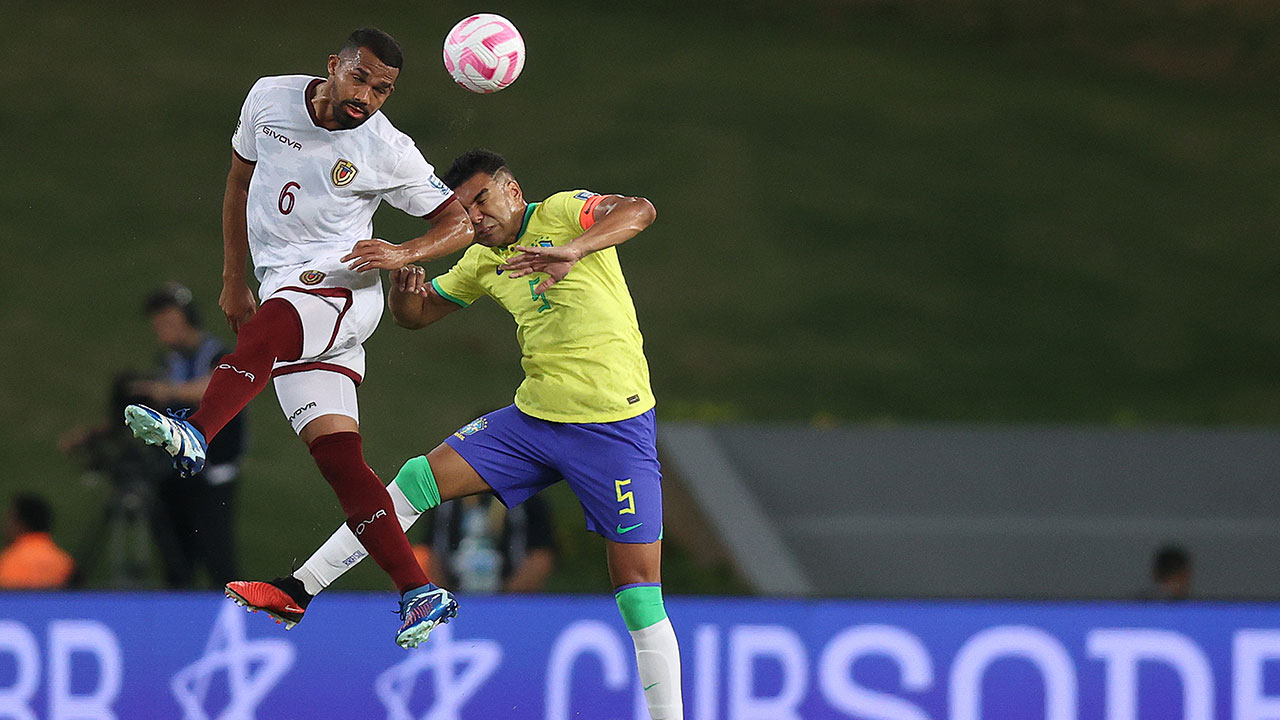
[[414, 188], [414, 303], [237, 301]]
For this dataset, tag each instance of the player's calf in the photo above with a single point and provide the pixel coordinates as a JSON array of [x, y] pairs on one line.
[[657, 653]]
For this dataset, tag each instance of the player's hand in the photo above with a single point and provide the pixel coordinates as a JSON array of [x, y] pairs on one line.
[[555, 261], [376, 254], [410, 279], [237, 303]]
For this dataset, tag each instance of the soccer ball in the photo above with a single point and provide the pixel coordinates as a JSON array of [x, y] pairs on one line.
[[484, 53]]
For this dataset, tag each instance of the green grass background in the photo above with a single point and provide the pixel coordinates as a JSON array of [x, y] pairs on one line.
[[867, 213]]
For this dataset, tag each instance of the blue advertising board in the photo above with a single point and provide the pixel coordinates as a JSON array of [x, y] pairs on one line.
[[196, 656]]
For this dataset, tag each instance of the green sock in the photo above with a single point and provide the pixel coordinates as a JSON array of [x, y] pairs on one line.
[[657, 652], [641, 606], [418, 484]]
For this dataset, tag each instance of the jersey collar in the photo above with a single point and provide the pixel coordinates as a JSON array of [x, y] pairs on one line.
[[524, 224], [309, 93]]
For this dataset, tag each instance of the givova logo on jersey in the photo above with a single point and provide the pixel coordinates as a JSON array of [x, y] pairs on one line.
[[344, 171]]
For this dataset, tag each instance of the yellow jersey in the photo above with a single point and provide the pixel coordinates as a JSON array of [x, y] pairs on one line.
[[580, 343]]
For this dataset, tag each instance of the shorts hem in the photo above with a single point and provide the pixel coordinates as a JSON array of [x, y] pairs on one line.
[[329, 367]]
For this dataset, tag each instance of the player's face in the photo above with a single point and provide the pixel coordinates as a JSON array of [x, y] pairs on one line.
[[496, 207], [358, 85]]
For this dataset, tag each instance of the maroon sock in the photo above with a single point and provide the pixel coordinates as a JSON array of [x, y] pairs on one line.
[[370, 513], [273, 333]]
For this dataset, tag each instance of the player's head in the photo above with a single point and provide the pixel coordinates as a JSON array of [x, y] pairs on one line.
[[489, 192], [172, 311], [362, 75]]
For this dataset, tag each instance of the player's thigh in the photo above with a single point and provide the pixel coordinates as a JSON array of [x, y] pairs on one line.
[[505, 449], [613, 469], [454, 476], [327, 425], [631, 563], [338, 310], [318, 402]]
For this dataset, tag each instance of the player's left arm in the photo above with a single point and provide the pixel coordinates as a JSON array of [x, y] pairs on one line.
[[615, 220], [451, 231]]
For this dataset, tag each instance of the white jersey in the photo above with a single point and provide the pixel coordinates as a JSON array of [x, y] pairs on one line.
[[314, 190]]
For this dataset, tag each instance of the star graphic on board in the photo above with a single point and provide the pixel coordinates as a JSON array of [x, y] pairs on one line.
[[253, 668], [458, 669]]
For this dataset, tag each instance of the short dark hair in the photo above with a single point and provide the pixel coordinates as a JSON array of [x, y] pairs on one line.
[[33, 512], [1170, 560], [172, 295], [471, 162], [382, 45]]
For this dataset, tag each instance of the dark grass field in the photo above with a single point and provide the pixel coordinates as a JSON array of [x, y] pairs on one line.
[[861, 219]]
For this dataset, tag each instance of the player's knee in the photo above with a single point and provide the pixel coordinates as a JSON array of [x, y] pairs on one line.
[[275, 331], [418, 483], [640, 605], [635, 563], [336, 452]]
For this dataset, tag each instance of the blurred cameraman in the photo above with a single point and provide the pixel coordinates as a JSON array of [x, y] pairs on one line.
[[201, 510]]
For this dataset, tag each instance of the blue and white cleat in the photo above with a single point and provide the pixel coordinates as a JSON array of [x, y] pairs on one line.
[[422, 609], [178, 437]]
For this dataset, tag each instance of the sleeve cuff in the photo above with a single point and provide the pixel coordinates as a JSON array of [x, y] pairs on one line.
[[440, 207], [435, 284]]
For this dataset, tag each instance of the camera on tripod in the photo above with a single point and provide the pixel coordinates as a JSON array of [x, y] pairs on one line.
[[132, 473], [110, 451]]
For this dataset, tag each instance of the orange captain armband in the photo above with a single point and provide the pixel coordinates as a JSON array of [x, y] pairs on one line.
[[587, 218]]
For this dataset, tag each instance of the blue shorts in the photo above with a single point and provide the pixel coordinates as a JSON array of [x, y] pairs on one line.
[[612, 467]]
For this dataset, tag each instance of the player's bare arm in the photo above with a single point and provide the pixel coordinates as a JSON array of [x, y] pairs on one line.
[[450, 232], [237, 301], [414, 304], [617, 219]]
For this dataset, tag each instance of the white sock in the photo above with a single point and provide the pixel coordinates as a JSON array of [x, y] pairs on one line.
[[342, 551], [658, 659]]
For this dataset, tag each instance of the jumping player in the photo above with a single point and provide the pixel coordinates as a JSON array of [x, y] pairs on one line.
[[583, 413], [312, 159]]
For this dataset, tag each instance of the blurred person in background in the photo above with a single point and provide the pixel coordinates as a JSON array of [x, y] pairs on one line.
[[474, 544], [32, 560], [1170, 574], [191, 520], [201, 509]]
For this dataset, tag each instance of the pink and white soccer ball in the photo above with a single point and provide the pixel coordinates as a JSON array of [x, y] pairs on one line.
[[484, 53]]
